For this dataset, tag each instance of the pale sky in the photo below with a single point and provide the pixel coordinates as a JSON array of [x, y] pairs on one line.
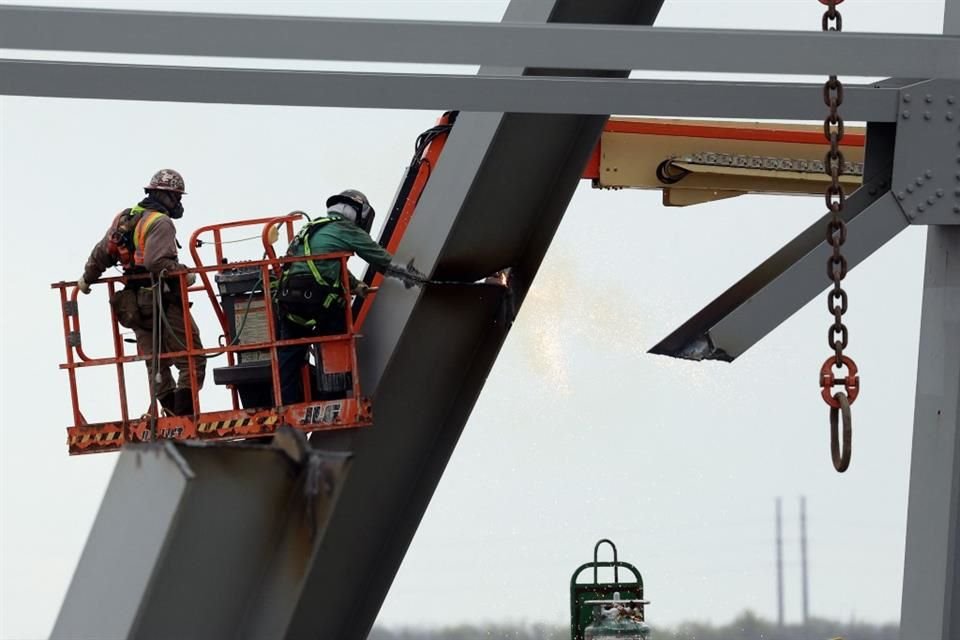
[[579, 433]]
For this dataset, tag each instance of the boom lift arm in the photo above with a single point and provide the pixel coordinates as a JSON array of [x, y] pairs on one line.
[[695, 161]]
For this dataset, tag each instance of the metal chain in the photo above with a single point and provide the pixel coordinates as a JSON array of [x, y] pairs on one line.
[[838, 335], [836, 198]]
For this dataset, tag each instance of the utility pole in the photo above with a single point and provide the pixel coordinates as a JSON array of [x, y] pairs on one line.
[[779, 565], [803, 560]]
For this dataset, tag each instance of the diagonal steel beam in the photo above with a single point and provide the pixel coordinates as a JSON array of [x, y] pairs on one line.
[[442, 92], [494, 200], [786, 281], [570, 46], [189, 536]]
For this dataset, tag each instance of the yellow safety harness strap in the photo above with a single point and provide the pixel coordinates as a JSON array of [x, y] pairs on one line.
[[307, 231]]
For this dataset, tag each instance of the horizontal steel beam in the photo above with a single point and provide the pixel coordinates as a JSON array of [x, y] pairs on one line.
[[589, 96], [567, 46]]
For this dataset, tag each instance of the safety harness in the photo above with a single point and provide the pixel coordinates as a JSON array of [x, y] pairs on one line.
[[307, 292], [127, 243], [120, 243]]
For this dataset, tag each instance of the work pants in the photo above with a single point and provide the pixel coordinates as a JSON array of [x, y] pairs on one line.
[[173, 338], [331, 321]]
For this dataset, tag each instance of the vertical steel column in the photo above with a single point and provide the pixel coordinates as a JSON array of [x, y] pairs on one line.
[[931, 573]]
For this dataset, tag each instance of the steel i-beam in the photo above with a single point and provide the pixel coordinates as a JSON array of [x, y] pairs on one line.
[[517, 94], [190, 537], [931, 569], [494, 201], [931, 572], [508, 44]]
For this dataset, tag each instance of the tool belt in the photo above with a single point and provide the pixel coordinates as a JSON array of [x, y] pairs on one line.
[[301, 295], [127, 309], [126, 304]]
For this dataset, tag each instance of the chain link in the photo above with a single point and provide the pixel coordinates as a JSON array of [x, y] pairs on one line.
[[838, 335]]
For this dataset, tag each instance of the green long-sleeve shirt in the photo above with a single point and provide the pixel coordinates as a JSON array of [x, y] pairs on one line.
[[335, 234]]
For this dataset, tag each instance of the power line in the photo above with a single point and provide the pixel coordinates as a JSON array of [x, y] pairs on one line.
[[779, 524]]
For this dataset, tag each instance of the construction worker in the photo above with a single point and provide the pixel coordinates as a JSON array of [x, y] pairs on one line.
[[310, 293], [142, 240]]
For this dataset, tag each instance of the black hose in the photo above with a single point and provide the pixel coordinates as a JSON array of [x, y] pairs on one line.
[[668, 173]]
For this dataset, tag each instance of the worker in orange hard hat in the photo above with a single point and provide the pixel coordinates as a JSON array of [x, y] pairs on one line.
[[142, 240]]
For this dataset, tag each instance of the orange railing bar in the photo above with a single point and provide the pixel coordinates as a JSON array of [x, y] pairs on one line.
[[218, 241], [118, 353], [67, 312]]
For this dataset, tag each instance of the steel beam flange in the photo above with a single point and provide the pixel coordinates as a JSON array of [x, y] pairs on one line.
[[926, 170]]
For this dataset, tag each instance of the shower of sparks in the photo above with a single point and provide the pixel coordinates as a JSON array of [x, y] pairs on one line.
[[565, 310]]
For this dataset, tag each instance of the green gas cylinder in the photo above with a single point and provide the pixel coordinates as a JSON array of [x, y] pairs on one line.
[[601, 609], [621, 619]]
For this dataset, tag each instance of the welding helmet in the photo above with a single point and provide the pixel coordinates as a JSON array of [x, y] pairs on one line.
[[363, 213]]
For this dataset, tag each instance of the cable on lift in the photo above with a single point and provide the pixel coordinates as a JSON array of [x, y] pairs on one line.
[[236, 338], [200, 242], [669, 173]]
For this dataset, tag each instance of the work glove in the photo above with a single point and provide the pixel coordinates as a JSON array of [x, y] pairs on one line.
[[191, 279], [83, 286], [407, 274], [361, 289]]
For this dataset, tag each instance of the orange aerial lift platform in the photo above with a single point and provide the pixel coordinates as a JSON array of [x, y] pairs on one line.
[[245, 310]]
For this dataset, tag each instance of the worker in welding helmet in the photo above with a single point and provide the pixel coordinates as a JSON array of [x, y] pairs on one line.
[[310, 293]]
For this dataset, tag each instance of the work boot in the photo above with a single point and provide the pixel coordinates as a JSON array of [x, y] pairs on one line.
[[183, 402], [167, 403]]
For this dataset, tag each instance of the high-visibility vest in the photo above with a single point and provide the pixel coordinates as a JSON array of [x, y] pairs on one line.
[[144, 225]]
